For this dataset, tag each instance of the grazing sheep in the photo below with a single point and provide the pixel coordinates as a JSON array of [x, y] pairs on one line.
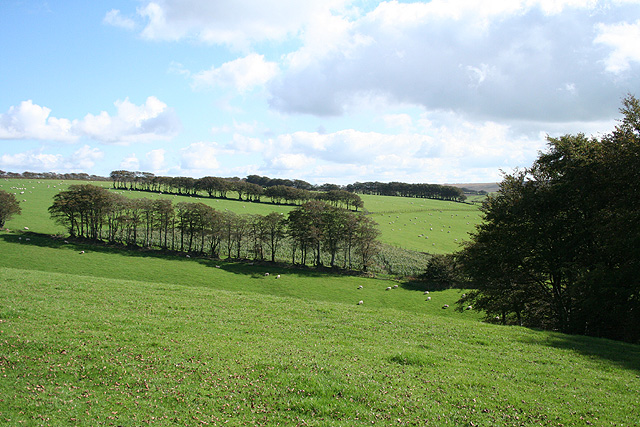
[[266, 274], [26, 228], [188, 256], [388, 289], [428, 298], [360, 302], [81, 252], [360, 287], [469, 307], [217, 266], [426, 292], [395, 286], [278, 276], [445, 306]]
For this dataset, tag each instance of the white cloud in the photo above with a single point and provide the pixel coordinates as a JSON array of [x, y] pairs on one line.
[[148, 122], [244, 74], [32, 160], [130, 163], [235, 23], [82, 159], [114, 18], [624, 40], [31, 121], [200, 158], [151, 121], [489, 60], [155, 160], [85, 158]]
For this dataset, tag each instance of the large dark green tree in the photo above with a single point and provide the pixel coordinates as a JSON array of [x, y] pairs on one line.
[[9, 206], [558, 247]]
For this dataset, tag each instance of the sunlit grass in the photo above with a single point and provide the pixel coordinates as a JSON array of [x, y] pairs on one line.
[[86, 351]]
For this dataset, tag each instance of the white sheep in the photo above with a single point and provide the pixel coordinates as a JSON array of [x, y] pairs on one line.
[[395, 286], [360, 302], [469, 307], [266, 274], [360, 287], [428, 298], [445, 306], [278, 276], [81, 252], [426, 292], [217, 266], [388, 288]]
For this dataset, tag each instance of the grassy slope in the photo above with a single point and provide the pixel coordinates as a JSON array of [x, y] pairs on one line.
[[80, 344], [422, 224], [83, 350]]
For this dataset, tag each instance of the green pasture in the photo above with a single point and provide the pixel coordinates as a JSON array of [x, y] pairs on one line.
[[87, 350], [422, 225], [102, 335]]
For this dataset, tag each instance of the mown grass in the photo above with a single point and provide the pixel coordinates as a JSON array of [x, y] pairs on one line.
[[82, 350]]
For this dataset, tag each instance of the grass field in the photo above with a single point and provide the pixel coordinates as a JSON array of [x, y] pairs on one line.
[[129, 338], [414, 224]]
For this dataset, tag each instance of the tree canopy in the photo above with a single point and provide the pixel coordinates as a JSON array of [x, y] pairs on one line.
[[558, 247], [9, 206]]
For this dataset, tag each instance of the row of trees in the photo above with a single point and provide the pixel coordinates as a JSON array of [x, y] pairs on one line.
[[558, 247], [81, 176], [221, 187], [403, 189], [314, 233]]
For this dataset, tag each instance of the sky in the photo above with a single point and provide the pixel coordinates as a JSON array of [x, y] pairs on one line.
[[327, 91]]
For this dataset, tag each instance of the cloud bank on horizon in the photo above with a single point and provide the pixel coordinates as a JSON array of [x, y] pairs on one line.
[[326, 91]]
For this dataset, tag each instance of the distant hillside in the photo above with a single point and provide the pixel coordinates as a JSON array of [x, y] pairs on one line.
[[489, 187]]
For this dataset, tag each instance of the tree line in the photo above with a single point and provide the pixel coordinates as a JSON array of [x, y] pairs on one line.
[[315, 232], [558, 247], [403, 189], [282, 192]]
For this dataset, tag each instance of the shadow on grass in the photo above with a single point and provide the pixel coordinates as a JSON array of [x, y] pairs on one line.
[[236, 266], [621, 353]]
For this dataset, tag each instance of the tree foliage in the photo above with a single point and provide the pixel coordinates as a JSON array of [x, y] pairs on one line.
[[558, 245], [317, 228], [9, 206]]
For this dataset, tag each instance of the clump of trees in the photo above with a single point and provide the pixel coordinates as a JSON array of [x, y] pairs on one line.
[[316, 232], [403, 189], [9, 206], [558, 247]]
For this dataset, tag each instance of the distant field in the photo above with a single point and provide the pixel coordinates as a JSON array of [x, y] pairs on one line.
[[422, 224], [403, 222]]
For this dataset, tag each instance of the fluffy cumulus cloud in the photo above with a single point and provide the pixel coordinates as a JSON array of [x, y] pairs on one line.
[[517, 60], [243, 74], [200, 157], [235, 23], [81, 160], [32, 121], [151, 121]]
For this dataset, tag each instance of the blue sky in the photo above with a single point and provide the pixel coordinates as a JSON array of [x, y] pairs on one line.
[[322, 90]]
